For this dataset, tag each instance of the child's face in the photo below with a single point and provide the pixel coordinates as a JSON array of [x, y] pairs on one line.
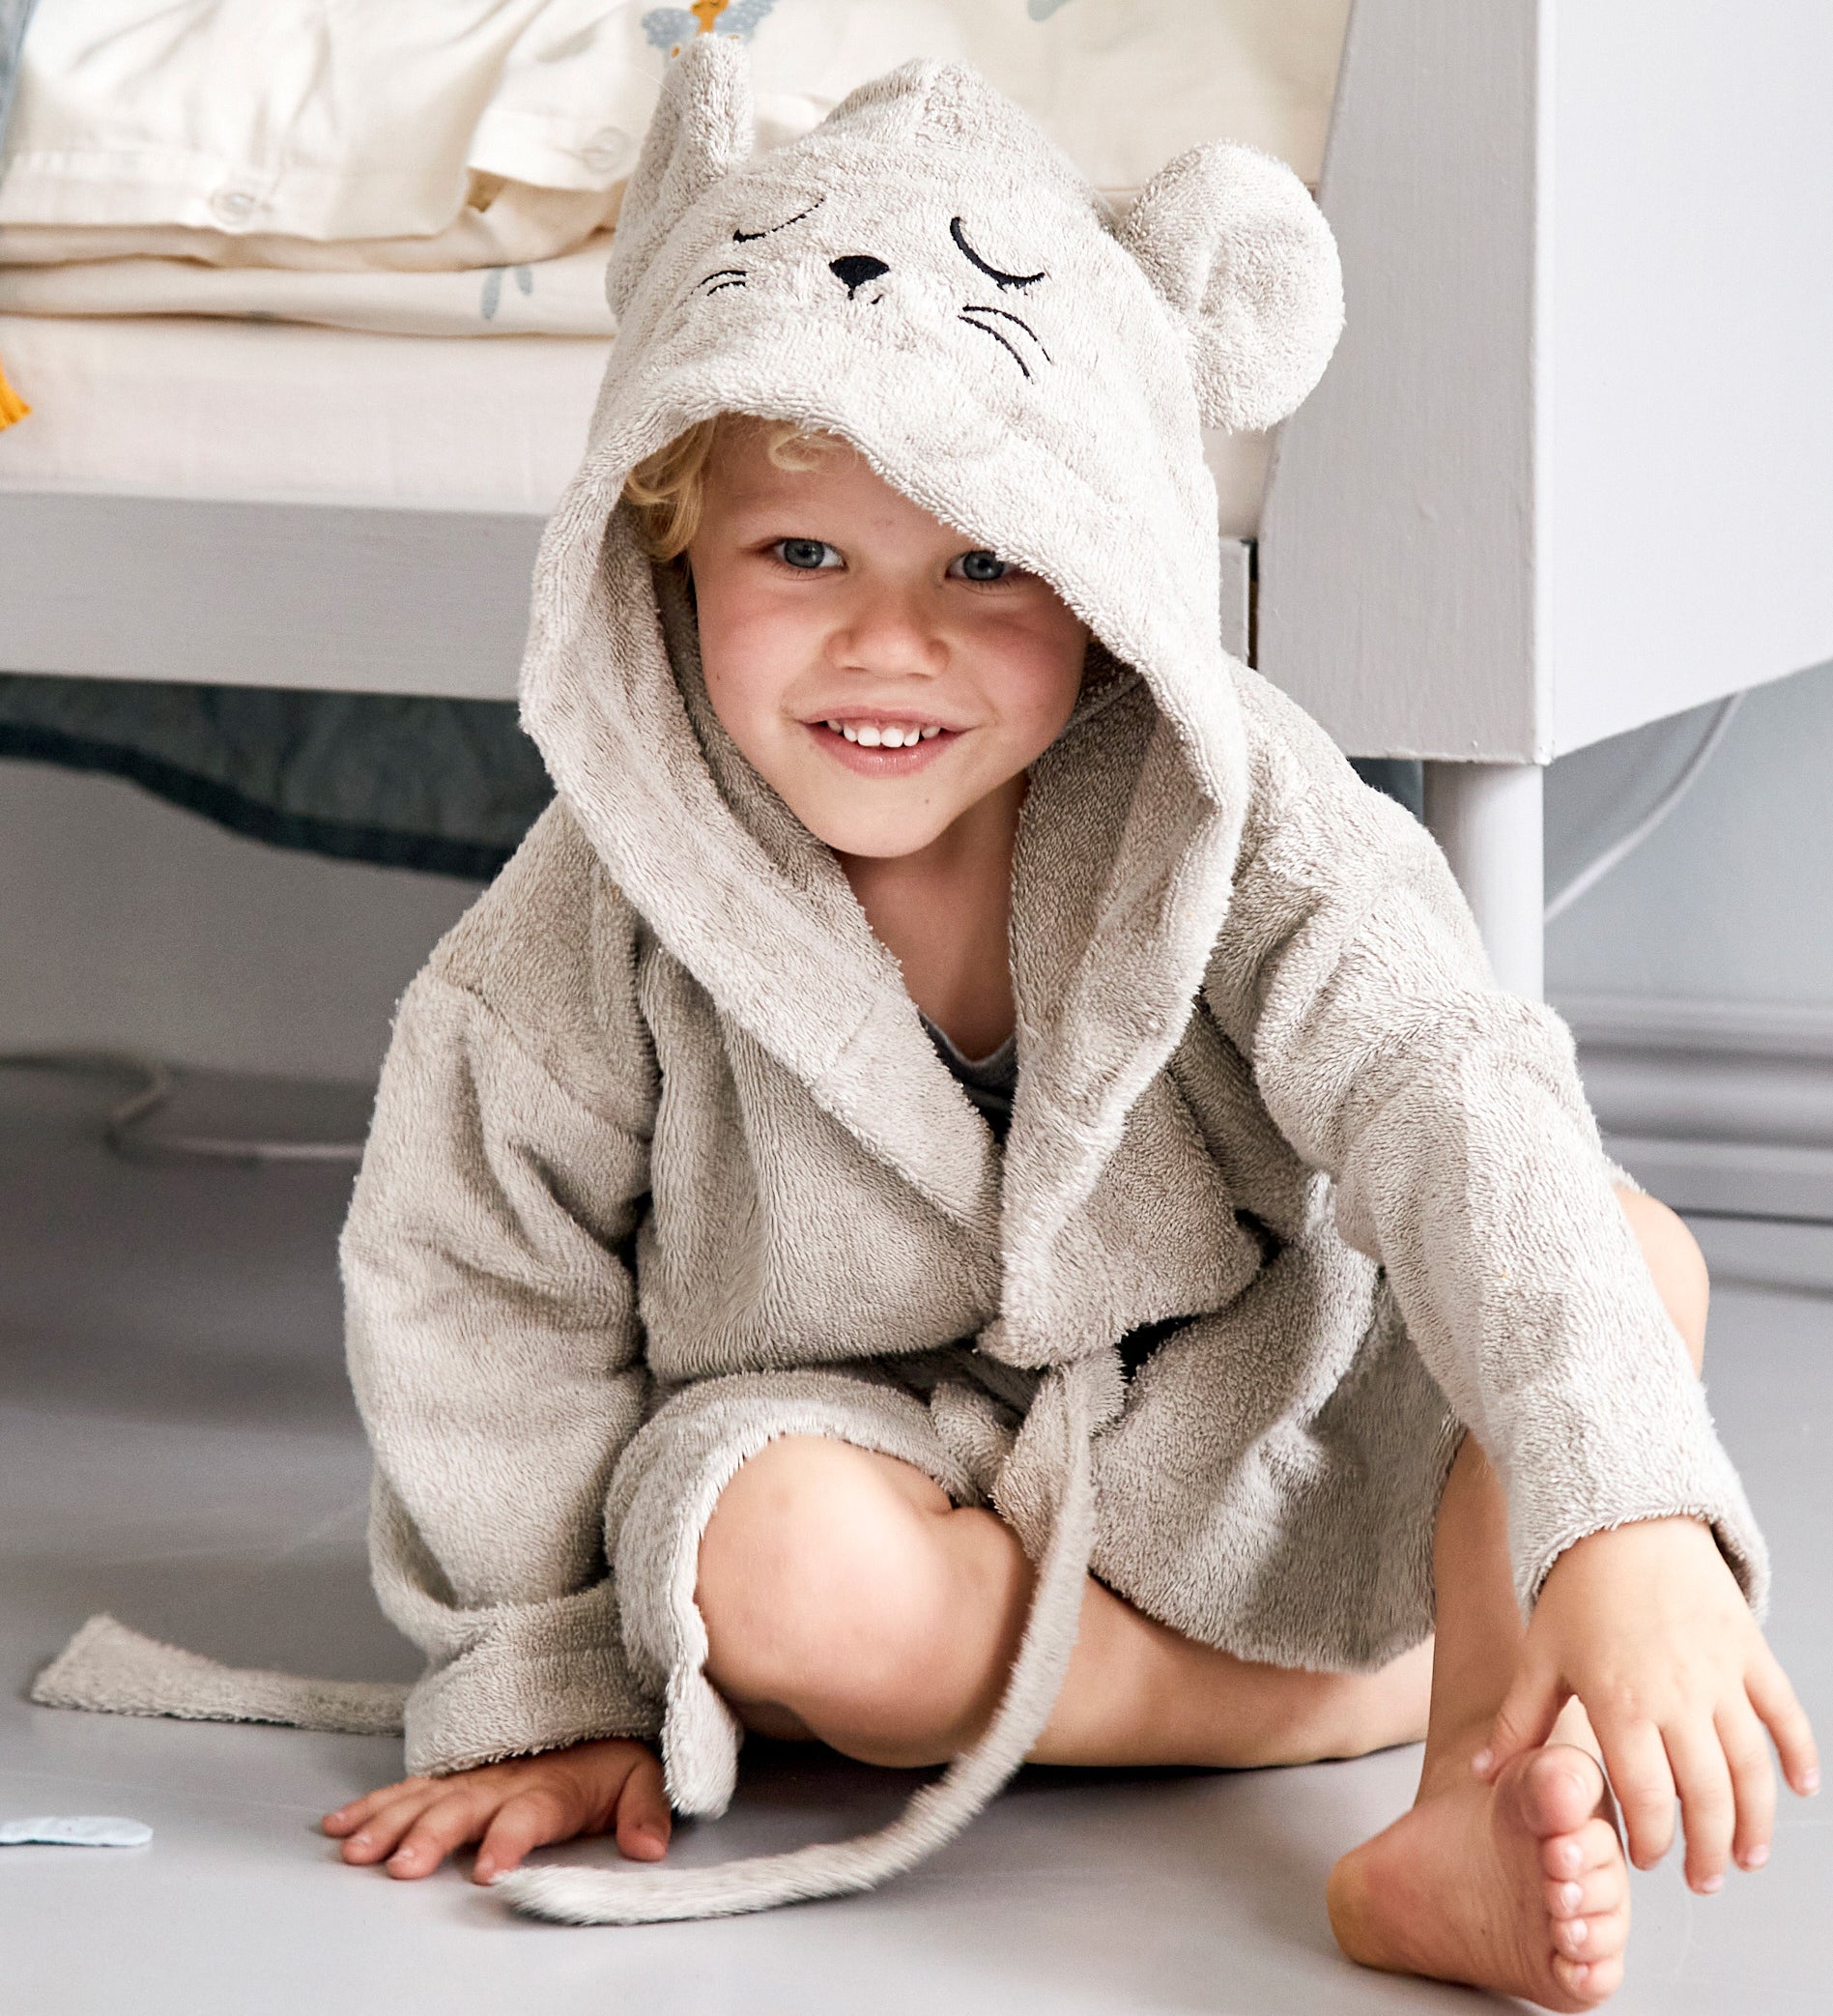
[[831, 609]]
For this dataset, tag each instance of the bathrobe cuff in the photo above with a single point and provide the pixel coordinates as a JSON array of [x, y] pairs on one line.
[[1645, 1449], [537, 1677]]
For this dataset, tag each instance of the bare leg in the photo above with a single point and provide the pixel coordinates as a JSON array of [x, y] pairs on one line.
[[846, 1599], [1519, 1886]]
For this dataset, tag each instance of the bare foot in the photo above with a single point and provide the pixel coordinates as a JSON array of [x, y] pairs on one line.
[[1518, 1886]]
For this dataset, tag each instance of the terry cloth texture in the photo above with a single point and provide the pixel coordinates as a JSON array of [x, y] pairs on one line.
[[664, 1165], [108, 1666]]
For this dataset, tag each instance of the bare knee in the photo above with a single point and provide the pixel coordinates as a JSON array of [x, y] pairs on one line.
[[822, 1581], [1676, 1262]]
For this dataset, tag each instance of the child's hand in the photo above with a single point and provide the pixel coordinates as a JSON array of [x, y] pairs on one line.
[[512, 1807], [1647, 1625]]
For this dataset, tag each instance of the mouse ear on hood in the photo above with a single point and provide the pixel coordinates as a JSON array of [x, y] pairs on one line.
[[703, 128], [1232, 240]]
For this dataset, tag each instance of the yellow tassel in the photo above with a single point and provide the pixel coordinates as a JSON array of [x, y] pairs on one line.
[[12, 406]]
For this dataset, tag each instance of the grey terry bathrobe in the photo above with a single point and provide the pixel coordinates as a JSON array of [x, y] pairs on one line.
[[663, 1164]]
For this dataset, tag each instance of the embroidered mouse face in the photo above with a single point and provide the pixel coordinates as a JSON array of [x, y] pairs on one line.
[[800, 266], [926, 209]]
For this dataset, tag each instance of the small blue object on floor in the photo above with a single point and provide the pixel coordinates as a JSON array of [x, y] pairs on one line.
[[76, 1830]]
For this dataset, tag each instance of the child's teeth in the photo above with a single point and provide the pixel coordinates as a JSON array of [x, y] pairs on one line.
[[872, 734]]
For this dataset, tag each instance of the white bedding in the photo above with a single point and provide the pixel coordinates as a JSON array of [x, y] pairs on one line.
[[440, 167], [563, 297], [245, 124], [194, 408], [191, 408]]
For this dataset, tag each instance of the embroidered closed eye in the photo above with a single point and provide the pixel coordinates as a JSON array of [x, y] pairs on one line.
[[992, 272], [744, 236]]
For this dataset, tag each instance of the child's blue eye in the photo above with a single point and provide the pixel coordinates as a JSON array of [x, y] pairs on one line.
[[982, 566], [805, 554]]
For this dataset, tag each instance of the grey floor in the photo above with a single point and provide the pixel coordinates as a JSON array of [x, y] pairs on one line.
[[177, 1446]]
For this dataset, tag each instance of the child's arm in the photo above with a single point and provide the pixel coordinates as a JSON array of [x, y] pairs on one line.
[[493, 1341], [1466, 1161]]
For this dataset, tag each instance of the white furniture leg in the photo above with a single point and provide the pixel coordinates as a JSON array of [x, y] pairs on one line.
[[1487, 818]]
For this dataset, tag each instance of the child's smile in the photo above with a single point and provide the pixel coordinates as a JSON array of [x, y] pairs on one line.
[[882, 744]]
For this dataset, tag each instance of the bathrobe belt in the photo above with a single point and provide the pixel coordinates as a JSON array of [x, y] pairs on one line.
[[109, 1667]]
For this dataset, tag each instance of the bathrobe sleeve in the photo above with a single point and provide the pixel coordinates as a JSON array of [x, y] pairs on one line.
[[496, 1354], [1464, 1157]]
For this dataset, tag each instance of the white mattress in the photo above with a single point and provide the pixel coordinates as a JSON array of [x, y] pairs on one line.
[[170, 406], [282, 412]]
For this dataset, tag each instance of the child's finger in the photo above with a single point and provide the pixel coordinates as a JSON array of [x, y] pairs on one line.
[[1523, 1722], [1637, 1761], [381, 1833], [644, 1818], [530, 1820], [451, 1820], [1774, 1700], [352, 1814], [1708, 1811], [1753, 1782]]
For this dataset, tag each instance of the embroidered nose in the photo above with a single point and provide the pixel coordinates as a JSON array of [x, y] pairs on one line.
[[856, 269]]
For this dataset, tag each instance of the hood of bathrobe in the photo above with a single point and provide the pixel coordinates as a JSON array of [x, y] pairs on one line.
[[927, 273]]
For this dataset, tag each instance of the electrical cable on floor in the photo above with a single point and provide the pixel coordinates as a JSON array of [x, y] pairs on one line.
[[123, 1130], [1619, 850], [1756, 1218]]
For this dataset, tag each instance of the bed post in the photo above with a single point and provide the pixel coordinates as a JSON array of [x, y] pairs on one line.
[[1403, 598], [1487, 818]]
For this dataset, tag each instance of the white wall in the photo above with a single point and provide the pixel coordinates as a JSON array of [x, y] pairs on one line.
[[126, 923]]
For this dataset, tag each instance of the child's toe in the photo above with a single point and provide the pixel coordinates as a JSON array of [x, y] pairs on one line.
[[1592, 1936], [1588, 1982], [1572, 1937], [1558, 1791], [1575, 1856], [1584, 1896]]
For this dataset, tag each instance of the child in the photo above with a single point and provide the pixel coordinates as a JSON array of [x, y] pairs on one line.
[[965, 1087]]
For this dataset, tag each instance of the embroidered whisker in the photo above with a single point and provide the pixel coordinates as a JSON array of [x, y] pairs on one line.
[[981, 309], [997, 338]]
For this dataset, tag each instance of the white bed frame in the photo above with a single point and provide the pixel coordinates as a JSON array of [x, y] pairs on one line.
[[1570, 471]]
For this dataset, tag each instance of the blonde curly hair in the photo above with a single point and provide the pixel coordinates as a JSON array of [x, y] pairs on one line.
[[667, 490]]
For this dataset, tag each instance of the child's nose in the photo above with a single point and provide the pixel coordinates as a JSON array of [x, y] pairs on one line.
[[856, 269]]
